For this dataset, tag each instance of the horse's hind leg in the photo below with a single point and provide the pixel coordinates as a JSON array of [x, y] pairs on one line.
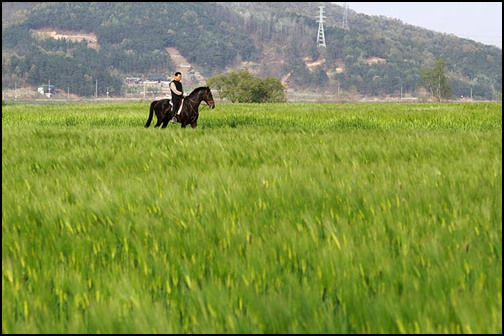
[[167, 116], [165, 122], [162, 119]]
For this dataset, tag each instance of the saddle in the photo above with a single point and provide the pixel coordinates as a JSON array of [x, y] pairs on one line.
[[180, 107]]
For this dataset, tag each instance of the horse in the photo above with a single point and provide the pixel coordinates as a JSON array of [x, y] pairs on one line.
[[189, 112], [161, 108]]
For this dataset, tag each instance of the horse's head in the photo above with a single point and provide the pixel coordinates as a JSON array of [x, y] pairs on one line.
[[208, 97]]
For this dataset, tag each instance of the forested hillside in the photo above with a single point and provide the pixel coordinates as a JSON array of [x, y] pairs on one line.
[[376, 56]]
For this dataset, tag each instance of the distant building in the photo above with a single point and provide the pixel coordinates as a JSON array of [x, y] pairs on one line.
[[47, 90], [132, 80], [157, 78]]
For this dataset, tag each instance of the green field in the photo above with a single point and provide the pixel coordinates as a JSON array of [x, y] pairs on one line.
[[283, 218]]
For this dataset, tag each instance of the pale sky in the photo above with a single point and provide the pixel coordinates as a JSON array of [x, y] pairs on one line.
[[478, 21]]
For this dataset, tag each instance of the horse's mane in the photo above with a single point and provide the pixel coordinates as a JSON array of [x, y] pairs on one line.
[[199, 89]]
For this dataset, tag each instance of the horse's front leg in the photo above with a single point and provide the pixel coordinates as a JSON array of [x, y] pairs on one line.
[[194, 124]]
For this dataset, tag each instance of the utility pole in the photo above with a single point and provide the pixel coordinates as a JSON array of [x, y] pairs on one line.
[[96, 90], [321, 35]]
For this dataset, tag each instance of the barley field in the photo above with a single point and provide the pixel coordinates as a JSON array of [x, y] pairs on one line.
[[281, 218]]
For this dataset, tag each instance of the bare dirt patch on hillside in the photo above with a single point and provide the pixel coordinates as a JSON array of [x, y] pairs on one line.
[[74, 36], [191, 76]]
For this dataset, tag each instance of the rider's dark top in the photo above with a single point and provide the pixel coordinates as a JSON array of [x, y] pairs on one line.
[[178, 86]]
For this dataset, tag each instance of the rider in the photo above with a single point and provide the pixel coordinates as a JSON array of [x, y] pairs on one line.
[[177, 93]]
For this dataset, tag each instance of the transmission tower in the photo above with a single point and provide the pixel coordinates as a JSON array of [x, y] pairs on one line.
[[344, 24], [321, 36]]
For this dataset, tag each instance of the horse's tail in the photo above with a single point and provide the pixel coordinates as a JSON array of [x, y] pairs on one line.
[[151, 114]]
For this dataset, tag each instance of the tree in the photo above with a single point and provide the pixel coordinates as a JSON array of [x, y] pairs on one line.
[[435, 81], [320, 77], [275, 90], [242, 87]]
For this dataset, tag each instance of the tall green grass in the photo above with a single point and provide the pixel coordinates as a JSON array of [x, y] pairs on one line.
[[284, 218]]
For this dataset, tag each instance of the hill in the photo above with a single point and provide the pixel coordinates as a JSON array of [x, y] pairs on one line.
[[77, 45]]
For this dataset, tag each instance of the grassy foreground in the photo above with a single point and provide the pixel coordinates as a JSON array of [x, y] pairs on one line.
[[288, 218]]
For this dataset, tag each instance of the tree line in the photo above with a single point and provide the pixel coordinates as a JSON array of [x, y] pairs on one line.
[[215, 37], [243, 87]]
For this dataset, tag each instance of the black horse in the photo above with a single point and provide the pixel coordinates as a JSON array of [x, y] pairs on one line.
[[189, 113]]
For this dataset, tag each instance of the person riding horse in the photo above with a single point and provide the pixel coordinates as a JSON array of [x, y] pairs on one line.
[[188, 115], [177, 93]]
